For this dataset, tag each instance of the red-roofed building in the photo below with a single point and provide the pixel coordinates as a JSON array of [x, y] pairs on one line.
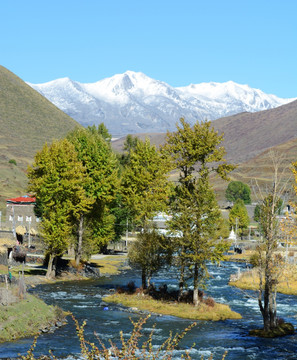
[[20, 211], [22, 200]]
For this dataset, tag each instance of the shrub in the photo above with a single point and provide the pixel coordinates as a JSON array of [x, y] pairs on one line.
[[254, 260], [131, 287], [120, 290], [280, 321], [12, 161], [130, 349], [210, 302]]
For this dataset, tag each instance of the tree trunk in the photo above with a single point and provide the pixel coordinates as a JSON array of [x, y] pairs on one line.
[[195, 291], [149, 277], [266, 317], [79, 241], [71, 250], [272, 309], [143, 279], [181, 281], [50, 272]]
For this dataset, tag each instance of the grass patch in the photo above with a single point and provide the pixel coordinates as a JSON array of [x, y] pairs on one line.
[[244, 257], [249, 280], [26, 318], [15, 270], [182, 310], [110, 265]]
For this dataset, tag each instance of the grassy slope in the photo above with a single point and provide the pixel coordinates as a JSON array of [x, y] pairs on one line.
[[25, 318], [260, 168], [27, 121]]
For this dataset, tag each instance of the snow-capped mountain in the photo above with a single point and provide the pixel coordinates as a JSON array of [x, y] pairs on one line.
[[134, 103]]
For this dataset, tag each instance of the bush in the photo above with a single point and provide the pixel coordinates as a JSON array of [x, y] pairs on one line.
[[131, 287], [12, 161], [210, 302], [254, 260]]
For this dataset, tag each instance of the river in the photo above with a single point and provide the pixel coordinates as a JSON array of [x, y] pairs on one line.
[[85, 300]]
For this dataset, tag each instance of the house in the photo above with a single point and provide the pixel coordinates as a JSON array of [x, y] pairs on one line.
[[20, 212]]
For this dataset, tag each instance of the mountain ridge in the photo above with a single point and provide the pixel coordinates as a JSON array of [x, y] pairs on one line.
[[133, 102]]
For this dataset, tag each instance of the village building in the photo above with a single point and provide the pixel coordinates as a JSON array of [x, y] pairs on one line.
[[20, 212]]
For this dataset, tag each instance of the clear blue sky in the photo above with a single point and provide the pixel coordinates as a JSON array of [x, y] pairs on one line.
[[180, 42]]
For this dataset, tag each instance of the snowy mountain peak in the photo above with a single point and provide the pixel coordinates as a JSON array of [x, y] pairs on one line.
[[133, 102]]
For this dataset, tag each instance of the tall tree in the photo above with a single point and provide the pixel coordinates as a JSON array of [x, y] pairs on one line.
[[196, 154], [269, 261], [56, 178], [145, 192], [101, 186], [145, 186]]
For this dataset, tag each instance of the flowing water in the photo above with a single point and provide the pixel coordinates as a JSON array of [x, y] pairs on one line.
[[85, 300]]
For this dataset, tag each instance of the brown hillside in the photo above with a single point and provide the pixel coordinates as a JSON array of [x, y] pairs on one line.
[[247, 134], [260, 169], [27, 121], [248, 140]]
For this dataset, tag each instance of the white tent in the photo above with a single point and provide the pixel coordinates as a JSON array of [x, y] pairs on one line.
[[232, 235]]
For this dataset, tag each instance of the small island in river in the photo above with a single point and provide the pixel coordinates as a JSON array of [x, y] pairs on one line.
[[165, 303]]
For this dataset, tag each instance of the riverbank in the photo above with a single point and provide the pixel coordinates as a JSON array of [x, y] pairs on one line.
[[212, 312], [35, 274], [28, 317]]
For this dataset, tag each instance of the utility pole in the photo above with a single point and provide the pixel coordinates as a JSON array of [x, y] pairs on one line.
[[236, 222], [28, 219], [13, 222], [127, 234]]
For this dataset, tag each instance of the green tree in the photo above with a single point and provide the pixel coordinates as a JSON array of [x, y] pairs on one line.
[[196, 154], [145, 192], [197, 219], [101, 130], [101, 187], [239, 217], [150, 252], [145, 186], [238, 190], [56, 178], [129, 145], [257, 213]]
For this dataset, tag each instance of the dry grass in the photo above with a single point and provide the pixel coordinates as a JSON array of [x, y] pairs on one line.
[[186, 311], [111, 264], [6, 242], [249, 280], [244, 257]]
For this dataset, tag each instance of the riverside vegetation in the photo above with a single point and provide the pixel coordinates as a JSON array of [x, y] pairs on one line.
[[166, 303]]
